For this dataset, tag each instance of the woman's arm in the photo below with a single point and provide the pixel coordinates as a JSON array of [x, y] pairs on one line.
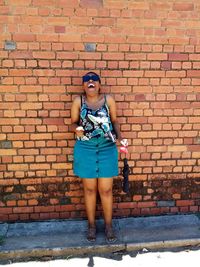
[[113, 116], [75, 116]]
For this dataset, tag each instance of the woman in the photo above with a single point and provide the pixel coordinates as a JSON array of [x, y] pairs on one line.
[[94, 122]]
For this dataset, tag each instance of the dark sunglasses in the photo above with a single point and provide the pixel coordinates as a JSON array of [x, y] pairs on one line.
[[93, 77]]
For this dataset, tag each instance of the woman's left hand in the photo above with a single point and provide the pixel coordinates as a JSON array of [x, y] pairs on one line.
[[124, 142], [124, 146]]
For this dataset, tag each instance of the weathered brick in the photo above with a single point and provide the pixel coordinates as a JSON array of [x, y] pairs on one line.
[[91, 3], [183, 203], [64, 3], [21, 37], [183, 6]]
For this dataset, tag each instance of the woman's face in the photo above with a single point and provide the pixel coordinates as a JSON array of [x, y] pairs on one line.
[[91, 84]]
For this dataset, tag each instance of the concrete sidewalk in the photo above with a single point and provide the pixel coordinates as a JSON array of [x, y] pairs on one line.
[[67, 237]]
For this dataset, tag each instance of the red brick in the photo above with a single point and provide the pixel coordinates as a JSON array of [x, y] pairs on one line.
[[71, 4], [139, 6], [182, 203], [193, 73], [91, 3], [9, 121], [58, 21], [40, 136], [166, 65], [154, 74], [113, 56], [5, 210], [30, 105], [44, 55], [104, 21], [9, 105], [21, 54], [157, 56], [60, 29], [81, 21], [178, 57], [146, 204], [20, 37], [183, 6], [20, 2], [193, 147], [20, 72], [47, 38]]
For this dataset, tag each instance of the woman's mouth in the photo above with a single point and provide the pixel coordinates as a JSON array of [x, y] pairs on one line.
[[91, 85]]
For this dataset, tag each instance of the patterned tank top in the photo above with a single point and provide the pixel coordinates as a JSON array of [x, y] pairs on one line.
[[96, 123]]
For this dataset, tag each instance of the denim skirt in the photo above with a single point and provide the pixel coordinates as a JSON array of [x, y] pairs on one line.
[[95, 158]]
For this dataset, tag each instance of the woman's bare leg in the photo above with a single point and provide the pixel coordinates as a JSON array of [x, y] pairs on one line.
[[105, 191], [90, 194]]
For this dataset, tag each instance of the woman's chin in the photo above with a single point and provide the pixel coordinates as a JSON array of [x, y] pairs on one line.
[[91, 91]]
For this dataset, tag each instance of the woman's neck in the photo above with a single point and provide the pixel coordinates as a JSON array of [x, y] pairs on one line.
[[93, 99]]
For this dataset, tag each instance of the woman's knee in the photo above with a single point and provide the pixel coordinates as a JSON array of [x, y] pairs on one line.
[[90, 191], [90, 186], [106, 192]]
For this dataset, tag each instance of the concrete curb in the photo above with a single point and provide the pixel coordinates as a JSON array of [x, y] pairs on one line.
[[109, 248], [163, 244], [57, 252], [67, 238]]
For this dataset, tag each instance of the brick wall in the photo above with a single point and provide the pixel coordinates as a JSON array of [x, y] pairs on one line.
[[148, 55]]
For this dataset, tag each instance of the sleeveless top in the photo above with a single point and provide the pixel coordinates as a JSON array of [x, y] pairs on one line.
[[96, 123]]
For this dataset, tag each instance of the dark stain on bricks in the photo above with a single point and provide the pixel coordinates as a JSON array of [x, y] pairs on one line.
[[137, 188], [43, 201], [5, 144], [19, 188], [9, 196], [10, 45], [65, 200], [90, 47], [63, 187], [61, 173]]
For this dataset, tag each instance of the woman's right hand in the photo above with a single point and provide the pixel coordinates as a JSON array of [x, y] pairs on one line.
[[79, 131]]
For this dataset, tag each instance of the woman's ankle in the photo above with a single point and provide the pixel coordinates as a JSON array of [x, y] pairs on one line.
[[108, 226], [91, 225]]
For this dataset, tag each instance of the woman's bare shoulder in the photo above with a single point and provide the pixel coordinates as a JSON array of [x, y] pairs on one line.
[[110, 99], [77, 100]]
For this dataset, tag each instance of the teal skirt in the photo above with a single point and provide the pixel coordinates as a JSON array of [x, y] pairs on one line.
[[95, 158]]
